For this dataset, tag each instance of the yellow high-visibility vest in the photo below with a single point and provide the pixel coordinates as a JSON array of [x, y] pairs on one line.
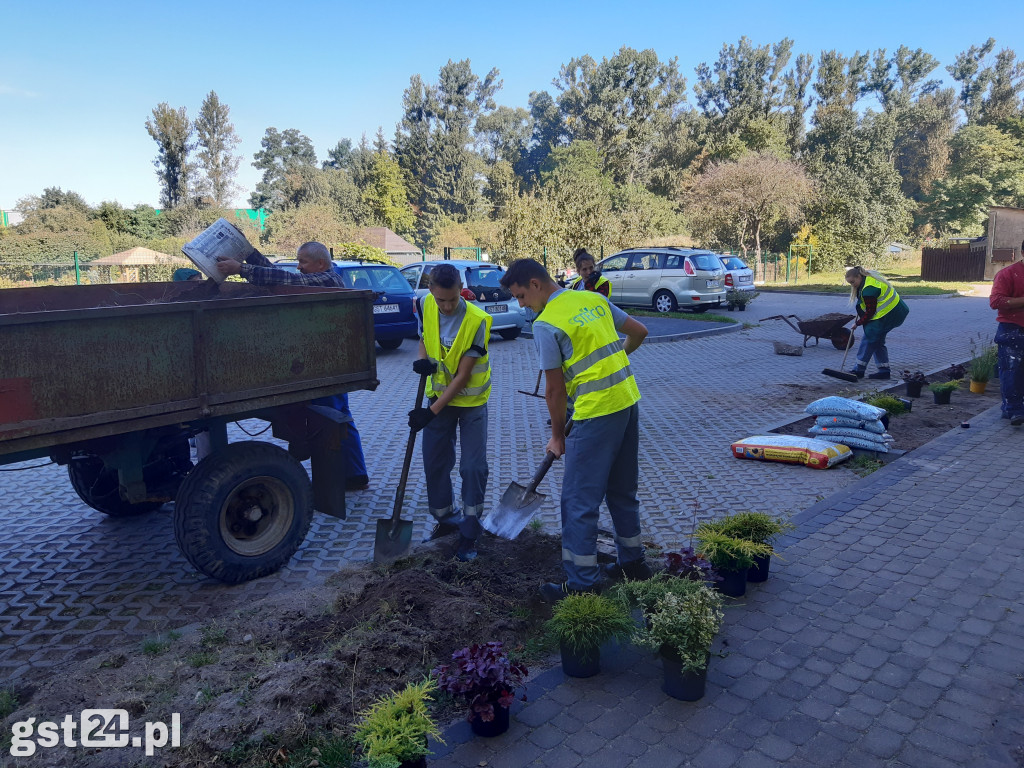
[[478, 388], [886, 302], [597, 375], [578, 284]]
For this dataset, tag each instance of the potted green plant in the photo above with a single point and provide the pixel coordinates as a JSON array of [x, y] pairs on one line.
[[757, 527], [687, 564], [582, 624], [393, 731], [914, 382], [680, 620], [739, 299], [483, 675], [731, 556], [941, 390], [982, 366]]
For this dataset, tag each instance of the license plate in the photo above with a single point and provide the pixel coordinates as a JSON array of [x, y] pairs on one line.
[[497, 309], [744, 278], [383, 309], [712, 283]]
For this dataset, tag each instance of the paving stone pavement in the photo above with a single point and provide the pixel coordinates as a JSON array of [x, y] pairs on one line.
[[892, 635], [73, 580]]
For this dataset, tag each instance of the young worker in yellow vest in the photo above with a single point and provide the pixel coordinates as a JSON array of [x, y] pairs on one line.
[[584, 361], [588, 277], [453, 354], [879, 310]]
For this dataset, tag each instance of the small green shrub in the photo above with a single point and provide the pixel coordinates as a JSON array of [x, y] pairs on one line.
[[888, 403], [728, 553], [944, 386], [752, 526], [395, 728], [584, 622]]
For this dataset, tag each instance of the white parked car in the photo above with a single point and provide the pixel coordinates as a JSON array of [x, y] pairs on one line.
[[738, 276]]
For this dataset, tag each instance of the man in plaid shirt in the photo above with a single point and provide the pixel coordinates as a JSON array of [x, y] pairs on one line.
[[315, 268]]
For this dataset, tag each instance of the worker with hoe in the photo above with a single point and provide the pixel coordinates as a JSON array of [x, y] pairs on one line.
[[588, 277], [316, 269], [453, 355], [584, 361], [879, 309], [1007, 297]]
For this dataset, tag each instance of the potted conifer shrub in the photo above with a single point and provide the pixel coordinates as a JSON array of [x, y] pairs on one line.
[[732, 557], [582, 624], [486, 679], [941, 390], [757, 527], [393, 731], [680, 620]]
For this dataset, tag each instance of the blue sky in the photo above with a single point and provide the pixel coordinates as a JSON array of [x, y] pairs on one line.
[[78, 79]]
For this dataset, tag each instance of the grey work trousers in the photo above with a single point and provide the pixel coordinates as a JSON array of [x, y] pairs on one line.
[[601, 464], [469, 425]]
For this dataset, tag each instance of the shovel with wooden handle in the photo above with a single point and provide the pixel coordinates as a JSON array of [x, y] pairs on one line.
[[394, 535], [519, 503]]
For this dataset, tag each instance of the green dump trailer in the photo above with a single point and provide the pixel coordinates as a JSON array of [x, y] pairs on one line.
[[113, 381]]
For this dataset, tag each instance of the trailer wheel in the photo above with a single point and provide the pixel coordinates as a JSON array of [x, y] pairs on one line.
[[243, 511], [841, 338], [99, 486]]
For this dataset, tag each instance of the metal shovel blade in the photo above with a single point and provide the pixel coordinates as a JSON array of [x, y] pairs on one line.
[[392, 541], [517, 506]]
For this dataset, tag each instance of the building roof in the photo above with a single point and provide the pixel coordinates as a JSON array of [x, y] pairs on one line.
[[398, 249], [140, 256]]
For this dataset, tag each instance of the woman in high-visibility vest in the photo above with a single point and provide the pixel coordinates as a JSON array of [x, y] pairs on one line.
[[589, 279], [879, 310]]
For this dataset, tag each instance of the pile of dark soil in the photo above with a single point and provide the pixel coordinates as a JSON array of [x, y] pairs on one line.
[[265, 679]]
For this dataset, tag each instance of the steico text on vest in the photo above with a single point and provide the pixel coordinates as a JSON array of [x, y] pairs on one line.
[[598, 377], [478, 389]]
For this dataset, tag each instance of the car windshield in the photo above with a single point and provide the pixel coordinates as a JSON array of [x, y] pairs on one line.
[[487, 281], [386, 279], [731, 262], [705, 261]]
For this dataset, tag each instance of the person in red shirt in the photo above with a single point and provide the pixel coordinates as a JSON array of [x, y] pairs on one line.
[[1007, 298]]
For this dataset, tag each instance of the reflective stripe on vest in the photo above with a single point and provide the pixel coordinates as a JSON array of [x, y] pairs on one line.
[[598, 378], [886, 302], [478, 388]]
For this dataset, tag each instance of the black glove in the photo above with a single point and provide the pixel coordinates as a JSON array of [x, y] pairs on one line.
[[424, 367], [594, 277], [419, 418]]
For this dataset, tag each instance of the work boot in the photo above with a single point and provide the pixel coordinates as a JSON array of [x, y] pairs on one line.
[[1017, 420], [552, 592], [357, 483], [858, 372], [466, 552], [445, 527], [881, 373], [635, 570]]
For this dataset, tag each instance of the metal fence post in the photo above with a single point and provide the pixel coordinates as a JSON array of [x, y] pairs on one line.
[[545, 257], [78, 272]]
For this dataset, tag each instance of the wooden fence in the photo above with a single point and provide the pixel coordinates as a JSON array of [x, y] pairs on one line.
[[955, 264]]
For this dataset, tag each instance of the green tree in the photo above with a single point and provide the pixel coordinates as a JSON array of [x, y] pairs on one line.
[[986, 169], [55, 197], [737, 203], [217, 141], [503, 134], [385, 197], [624, 106], [172, 131], [283, 155]]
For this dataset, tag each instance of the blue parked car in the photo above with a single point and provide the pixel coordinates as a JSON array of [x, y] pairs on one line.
[[394, 316]]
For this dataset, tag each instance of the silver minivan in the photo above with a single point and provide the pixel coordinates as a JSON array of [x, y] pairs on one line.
[[666, 279], [484, 280]]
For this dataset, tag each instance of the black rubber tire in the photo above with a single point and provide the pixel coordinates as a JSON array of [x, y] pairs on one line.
[[389, 343], [208, 514], [509, 334], [668, 302], [98, 485], [841, 337]]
